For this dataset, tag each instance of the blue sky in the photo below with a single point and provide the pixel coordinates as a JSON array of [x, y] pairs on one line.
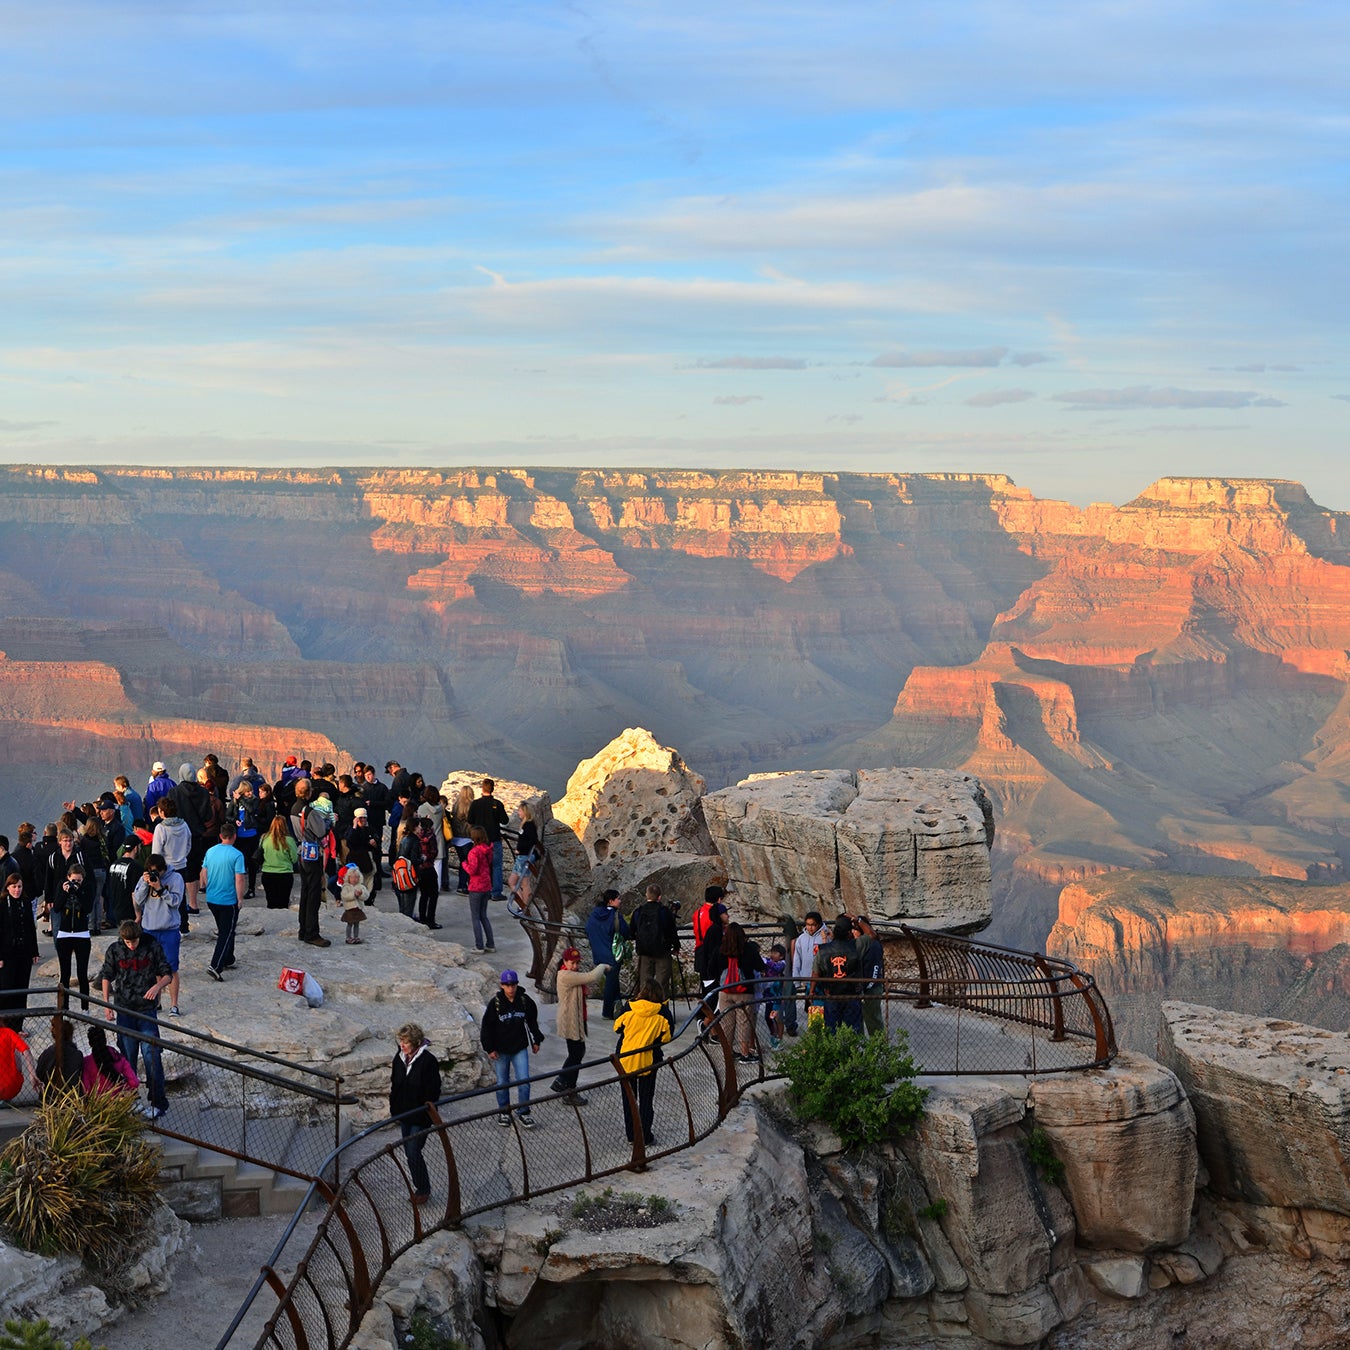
[[1083, 244]]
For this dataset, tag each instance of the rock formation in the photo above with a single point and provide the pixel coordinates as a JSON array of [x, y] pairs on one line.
[[1255, 946], [958, 1236], [1157, 684], [901, 844]]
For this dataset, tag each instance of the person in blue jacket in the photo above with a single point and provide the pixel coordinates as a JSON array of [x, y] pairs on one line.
[[604, 925]]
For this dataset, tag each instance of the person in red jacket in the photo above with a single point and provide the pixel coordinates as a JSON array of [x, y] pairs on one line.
[[478, 868]]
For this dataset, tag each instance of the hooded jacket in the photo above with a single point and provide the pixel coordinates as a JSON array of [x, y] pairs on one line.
[[173, 842], [510, 1024], [641, 1029]]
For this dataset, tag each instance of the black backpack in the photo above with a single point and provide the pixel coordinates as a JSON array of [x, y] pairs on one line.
[[647, 939]]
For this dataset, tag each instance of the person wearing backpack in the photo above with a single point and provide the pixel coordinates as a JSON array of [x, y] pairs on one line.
[[739, 963], [604, 927], [246, 833], [655, 939]]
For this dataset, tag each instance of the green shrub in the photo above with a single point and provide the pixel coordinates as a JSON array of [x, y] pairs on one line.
[[934, 1211], [81, 1179], [37, 1336], [860, 1086], [1043, 1157]]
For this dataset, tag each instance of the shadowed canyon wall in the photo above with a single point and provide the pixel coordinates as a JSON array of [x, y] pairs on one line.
[[1154, 685]]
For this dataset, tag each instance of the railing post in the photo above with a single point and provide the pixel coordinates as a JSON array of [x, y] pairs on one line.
[[638, 1162], [453, 1200], [1099, 1027], [1056, 1005], [925, 990], [276, 1285]]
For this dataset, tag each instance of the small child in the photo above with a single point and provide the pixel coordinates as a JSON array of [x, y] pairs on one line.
[[354, 893], [775, 965], [106, 1068]]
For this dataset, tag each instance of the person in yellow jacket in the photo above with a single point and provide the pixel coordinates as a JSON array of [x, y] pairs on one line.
[[642, 1030]]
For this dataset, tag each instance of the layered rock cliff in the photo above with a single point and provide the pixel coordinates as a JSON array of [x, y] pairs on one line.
[[1158, 684], [1265, 946]]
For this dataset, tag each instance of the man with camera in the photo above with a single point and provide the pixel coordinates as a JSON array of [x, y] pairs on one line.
[[158, 902]]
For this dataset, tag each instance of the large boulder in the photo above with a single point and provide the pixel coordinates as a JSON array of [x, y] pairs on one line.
[[900, 844], [635, 797], [1126, 1137], [1272, 1105], [682, 877]]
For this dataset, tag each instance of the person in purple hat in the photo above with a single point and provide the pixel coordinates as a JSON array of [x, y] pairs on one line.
[[510, 1033]]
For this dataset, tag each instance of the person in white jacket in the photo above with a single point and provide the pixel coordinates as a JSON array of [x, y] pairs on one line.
[[804, 948]]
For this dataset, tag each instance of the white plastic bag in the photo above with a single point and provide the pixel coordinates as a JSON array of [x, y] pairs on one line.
[[312, 990]]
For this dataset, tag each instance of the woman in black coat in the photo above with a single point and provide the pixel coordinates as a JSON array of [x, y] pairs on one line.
[[415, 1082], [18, 949]]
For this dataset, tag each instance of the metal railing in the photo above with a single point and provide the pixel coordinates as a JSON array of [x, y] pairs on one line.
[[231, 1099], [956, 1023]]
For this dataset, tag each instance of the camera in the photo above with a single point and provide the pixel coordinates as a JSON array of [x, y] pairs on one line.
[[71, 884], [151, 876]]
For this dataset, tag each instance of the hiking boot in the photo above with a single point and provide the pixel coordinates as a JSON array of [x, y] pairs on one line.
[[317, 942]]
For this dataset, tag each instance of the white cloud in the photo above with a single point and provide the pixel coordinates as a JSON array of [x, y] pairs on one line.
[[1145, 396], [980, 356], [994, 397]]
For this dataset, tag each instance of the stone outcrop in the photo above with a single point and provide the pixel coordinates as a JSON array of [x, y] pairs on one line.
[[633, 798], [517, 618], [901, 844], [1272, 1099], [1265, 946]]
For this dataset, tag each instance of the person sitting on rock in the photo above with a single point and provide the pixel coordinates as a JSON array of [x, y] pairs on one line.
[[520, 883], [572, 988]]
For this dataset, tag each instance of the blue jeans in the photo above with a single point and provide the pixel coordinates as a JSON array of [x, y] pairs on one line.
[[515, 1066], [497, 868], [148, 1024], [478, 913]]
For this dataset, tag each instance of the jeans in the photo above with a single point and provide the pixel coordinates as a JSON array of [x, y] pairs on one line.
[[790, 1005], [847, 1011], [497, 868], [513, 1066], [414, 1141], [478, 914], [567, 1075], [148, 1024], [227, 921]]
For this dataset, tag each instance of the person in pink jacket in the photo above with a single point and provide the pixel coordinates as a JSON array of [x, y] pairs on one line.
[[106, 1069], [478, 868]]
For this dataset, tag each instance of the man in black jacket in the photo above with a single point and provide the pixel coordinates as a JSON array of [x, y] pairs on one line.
[[135, 973], [376, 798], [415, 1084], [655, 939], [835, 977], [510, 1032], [490, 817]]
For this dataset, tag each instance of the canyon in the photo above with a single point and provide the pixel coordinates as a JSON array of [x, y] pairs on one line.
[[1158, 686]]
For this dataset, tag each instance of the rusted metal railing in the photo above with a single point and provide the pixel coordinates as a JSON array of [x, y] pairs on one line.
[[965, 1008]]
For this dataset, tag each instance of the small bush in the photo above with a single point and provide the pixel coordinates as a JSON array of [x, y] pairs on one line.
[[934, 1211], [429, 1333], [860, 1086], [80, 1180], [37, 1336], [1042, 1156]]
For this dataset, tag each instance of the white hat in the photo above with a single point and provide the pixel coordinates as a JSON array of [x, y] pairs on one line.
[[157, 766]]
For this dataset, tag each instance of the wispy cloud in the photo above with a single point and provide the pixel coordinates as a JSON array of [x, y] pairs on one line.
[[752, 363], [1145, 396], [994, 397], [1027, 358], [9, 426], [1344, 398], [1255, 368], [737, 400], [979, 356]]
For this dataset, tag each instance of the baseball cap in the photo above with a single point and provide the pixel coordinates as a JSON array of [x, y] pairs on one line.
[[157, 766], [570, 954], [510, 977], [291, 762], [360, 813]]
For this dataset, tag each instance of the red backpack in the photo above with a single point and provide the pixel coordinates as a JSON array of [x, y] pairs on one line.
[[731, 980]]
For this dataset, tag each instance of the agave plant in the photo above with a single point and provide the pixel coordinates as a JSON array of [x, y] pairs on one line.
[[81, 1179]]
